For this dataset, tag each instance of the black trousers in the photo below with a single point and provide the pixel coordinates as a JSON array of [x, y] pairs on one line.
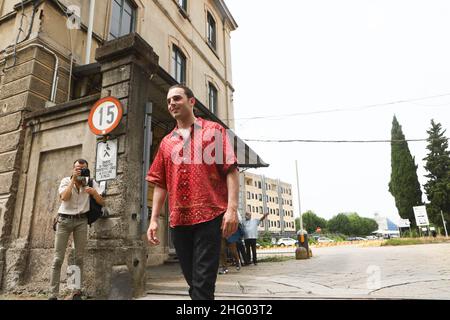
[[198, 249], [251, 243]]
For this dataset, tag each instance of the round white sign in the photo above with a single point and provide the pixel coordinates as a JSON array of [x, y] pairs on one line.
[[105, 116]]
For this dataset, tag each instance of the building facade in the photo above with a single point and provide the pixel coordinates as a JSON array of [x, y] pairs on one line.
[[191, 38], [51, 74], [259, 195]]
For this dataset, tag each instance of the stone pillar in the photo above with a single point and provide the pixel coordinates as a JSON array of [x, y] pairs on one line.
[[24, 87], [115, 266]]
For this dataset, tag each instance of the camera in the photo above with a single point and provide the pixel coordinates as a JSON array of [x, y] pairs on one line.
[[85, 172]]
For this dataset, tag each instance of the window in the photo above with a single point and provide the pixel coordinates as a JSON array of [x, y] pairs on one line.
[[183, 4], [253, 196], [213, 100], [249, 208], [259, 184], [278, 212], [261, 210], [248, 195], [178, 65], [122, 19], [260, 197], [253, 209], [211, 32], [278, 224]]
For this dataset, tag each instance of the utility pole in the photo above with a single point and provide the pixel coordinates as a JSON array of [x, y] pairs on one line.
[[302, 251], [298, 196], [443, 221]]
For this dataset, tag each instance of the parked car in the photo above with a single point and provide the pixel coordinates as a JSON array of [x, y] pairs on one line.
[[286, 242], [324, 240], [372, 238], [356, 239]]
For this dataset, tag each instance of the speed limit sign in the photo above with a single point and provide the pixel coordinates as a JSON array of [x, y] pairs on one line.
[[105, 115]]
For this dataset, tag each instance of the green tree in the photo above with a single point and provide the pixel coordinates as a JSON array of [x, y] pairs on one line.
[[339, 224], [368, 226], [437, 164], [351, 224], [310, 222], [404, 185]]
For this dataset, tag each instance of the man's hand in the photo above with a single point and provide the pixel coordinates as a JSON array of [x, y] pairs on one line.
[[151, 233], [76, 173], [91, 191], [229, 223]]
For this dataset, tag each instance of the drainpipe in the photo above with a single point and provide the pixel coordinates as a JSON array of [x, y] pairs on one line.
[[55, 73], [84, 83], [224, 34], [89, 34]]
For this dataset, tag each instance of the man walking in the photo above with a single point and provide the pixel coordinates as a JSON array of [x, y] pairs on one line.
[[203, 192], [72, 219], [251, 234]]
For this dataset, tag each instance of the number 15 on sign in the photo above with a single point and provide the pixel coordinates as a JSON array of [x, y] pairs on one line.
[[105, 115]]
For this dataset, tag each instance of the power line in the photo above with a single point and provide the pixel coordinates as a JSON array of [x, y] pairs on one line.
[[333, 141], [282, 116]]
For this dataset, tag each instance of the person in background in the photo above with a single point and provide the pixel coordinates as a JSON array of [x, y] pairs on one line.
[[72, 219], [251, 234]]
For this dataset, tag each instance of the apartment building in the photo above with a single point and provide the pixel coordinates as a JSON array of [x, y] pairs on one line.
[[260, 194]]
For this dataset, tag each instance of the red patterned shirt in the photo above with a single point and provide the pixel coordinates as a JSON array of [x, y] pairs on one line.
[[194, 171]]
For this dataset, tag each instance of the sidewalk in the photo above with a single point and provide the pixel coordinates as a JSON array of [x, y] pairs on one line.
[[265, 281], [345, 272]]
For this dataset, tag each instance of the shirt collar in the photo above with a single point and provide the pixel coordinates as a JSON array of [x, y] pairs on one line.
[[198, 123]]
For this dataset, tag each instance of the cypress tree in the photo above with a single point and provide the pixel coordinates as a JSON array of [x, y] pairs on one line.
[[437, 164], [404, 185]]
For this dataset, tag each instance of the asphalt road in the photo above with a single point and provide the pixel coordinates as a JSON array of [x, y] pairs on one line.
[[349, 272]]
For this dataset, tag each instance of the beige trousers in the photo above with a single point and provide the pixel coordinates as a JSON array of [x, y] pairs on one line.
[[65, 227]]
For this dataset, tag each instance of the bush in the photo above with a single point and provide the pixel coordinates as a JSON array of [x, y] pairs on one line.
[[265, 239], [410, 234]]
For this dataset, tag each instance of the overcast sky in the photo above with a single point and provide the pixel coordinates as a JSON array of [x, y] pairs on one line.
[[297, 56]]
